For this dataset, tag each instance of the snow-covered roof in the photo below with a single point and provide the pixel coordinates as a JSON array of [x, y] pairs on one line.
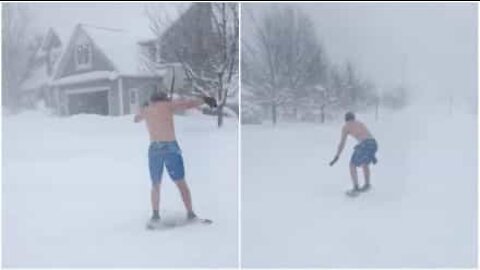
[[48, 38], [121, 48], [37, 78], [90, 76]]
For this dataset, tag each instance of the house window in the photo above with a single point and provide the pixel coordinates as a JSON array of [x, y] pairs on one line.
[[158, 57], [133, 96], [83, 55], [154, 53]]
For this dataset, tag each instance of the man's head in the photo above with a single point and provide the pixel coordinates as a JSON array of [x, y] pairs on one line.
[[349, 116], [159, 96]]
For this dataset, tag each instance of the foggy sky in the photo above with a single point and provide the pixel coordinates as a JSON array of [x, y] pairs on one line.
[[128, 16], [437, 43]]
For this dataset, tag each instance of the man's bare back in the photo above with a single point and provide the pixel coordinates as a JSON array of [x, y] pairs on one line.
[[357, 130], [354, 128], [159, 118]]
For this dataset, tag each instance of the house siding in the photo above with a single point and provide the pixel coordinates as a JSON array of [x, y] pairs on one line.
[[113, 98], [145, 86], [99, 60], [62, 106]]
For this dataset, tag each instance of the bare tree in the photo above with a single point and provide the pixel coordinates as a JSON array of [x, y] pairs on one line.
[[15, 51], [287, 57], [204, 40], [265, 69]]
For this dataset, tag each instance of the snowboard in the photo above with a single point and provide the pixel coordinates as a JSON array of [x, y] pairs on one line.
[[175, 223], [355, 193], [352, 194]]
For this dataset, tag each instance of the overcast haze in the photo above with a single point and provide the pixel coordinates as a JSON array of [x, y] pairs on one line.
[[433, 44], [64, 16], [436, 42], [128, 16]]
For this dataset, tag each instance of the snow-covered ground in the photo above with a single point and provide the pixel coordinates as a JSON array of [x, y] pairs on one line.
[[422, 211], [76, 194]]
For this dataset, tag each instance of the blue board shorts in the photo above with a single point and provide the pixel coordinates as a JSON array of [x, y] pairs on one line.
[[165, 154], [364, 153]]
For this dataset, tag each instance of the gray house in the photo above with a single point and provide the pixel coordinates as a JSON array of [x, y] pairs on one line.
[[109, 71], [103, 71], [36, 84]]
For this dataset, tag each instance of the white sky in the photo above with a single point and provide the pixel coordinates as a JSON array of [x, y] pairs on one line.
[[64, 16], [437, 42]]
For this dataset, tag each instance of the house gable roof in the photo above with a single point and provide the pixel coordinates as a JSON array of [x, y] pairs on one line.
[[51, 40], [38, 76], [118, 46]]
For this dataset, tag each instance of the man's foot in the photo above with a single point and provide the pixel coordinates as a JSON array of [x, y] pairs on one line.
[[154, 222], [191, 216], [354, 192], [365, 187]]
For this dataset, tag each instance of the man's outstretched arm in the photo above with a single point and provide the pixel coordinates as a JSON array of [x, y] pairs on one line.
[[341, 145], [181, 105]]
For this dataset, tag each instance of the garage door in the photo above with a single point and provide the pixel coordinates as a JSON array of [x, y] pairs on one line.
[[91, 103]]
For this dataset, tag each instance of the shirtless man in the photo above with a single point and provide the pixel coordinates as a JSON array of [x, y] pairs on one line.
[[363, 154], [164, 149]]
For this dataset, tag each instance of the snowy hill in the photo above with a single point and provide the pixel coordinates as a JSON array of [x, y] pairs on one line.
[[422, 211], [76, 194]]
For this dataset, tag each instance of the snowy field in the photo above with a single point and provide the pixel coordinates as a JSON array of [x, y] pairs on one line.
[[422, 211], [76, 194]]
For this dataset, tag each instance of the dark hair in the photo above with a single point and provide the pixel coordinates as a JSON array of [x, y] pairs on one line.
[[349, 116], [159, 96]]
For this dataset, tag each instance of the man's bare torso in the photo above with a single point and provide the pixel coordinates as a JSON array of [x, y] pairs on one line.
[[358, 130], [159, 119]]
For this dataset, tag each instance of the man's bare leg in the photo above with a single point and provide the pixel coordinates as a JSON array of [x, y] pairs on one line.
[[353, 174], [366, 173], [155, 199], [186, 197]]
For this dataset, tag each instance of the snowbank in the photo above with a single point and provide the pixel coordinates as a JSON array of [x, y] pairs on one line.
[[422, 211], [76, 194]]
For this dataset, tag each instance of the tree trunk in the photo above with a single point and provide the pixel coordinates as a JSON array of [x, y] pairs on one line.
[[322, 111], [450, 105], [172, 83], [274, 113], [220, 116], [221, 101]]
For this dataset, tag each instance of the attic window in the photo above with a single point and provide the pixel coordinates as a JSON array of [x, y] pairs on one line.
[[154, 53], [83, 55]]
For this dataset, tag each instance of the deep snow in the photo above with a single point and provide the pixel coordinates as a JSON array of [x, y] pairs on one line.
[[76, 194], [422, 211]]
